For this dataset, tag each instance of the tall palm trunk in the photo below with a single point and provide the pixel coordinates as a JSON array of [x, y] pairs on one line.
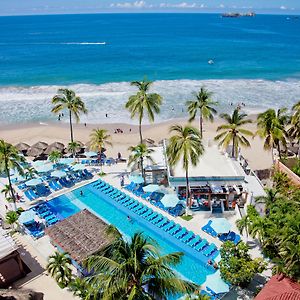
[[71, 126], [99, 157], [140, 131], [201, 124], [10, 185], [187, 190], [279, 150], [233, 147], [142, 169]]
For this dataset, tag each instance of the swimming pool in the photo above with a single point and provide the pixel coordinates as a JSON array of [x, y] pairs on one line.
[[191, 267]]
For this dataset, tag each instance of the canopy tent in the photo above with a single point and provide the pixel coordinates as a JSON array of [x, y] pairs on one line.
[[27, 216], [66, 161], [136, 179], [169, 200], [40, 145], [215, 283], [58, 174], [220, 225], [22, 147], [44, 168], [78, 167], [150, 188], [90, 153], [33, 182]]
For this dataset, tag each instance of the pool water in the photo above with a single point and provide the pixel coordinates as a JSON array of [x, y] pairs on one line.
[[62, 207], [72, 202]]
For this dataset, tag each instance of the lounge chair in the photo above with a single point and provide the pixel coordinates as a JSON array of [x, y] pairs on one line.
[[194, 241], [181, 233], [209, 250], [153, 217], [175, 229], [28, 195], [169, 226], [156, 220], [161, 222], [201, 245], [188, 237]]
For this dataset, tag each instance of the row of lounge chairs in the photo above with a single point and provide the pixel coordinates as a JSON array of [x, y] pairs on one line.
[[44, 212], [231, 236], [154, 199], [35, 229], [96, 162], [180, 233]]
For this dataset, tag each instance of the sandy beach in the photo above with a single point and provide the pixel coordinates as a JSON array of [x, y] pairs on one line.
[[258, 158]]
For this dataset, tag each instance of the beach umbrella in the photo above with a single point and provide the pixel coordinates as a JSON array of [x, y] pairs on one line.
[[220, 225], [22, 147], [58, 174], [150, 188], [33, 182], [27, 216], [90, 154], [32, 151], [66, 161], [169, 200], [40, 145], [57, 145], [78, 167], [215, 283], [44, 168], [136, 179]]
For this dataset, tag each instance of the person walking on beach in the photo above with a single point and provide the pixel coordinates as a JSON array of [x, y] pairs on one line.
[[122, 181]]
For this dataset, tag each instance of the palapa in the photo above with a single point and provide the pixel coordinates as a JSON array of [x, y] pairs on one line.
[[80, 235], [40, 145], [22, 146], [33, 151]]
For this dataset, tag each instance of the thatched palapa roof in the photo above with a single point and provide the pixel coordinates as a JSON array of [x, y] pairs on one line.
[[40, 145], [22, 146], [33, 151], [80, 235]]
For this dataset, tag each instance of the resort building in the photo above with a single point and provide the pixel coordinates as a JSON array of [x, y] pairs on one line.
[[217, 183], [11, 265], [80, 235]]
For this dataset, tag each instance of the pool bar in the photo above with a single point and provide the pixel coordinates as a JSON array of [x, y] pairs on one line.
[[185, 240]]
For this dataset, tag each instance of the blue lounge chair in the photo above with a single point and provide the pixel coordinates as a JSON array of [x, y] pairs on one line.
[[194, 241], [52, 221], [153, 217], [33, 194], [142, 211], [201, 245], [169, 226], [209, 250], [188, 237], [29, 196], [140, 206], [179, 235], [52, 186], [175, 229], [156, 220], [162, 221]]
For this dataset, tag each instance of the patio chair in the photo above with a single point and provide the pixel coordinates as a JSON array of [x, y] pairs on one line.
[[209, 250], [201, 245]]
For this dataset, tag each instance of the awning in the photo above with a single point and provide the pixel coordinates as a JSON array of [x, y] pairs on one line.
[[216, 283], [150, 188], [220, 225], [78, 167], [169, 200], [58, 174], [136, 179], [33, 182], [27, 216]]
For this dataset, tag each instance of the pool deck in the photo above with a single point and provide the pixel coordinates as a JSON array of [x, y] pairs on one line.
[[40, 249]]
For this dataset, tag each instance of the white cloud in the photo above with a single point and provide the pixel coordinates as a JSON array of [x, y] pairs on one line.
[[136, 4], [221, 5], [181, 5], [283, 7]]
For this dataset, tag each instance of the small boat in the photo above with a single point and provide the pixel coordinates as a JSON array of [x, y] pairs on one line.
[[210, 62]]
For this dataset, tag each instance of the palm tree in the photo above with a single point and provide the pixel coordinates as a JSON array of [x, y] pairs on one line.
[[244, 224], [67, 99], [142, 103], [134, 269], [294, 131], [10, 159], [271, 196], [233, 131], [99, 139], [204, 104], [138, 154], [185, 145], [271, 126], [11, 217], [59, 268], [6, 191], [30, 172], [55, 156], [73, 147]]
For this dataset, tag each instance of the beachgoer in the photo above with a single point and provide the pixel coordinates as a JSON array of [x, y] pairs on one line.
[[215, 265], [129, 129], [6, 207], [84, 124], [106, 115], [209, 262], [122, 181], [81, 193], [128, 219], [62, 114], [119, 155], [58, 118]]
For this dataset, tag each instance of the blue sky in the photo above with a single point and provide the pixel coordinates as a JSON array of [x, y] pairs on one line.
[[21, 7]]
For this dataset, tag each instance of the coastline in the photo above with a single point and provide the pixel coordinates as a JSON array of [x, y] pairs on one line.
[[31, 133]]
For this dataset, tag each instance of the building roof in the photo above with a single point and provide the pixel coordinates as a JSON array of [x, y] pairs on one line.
[[80, 235], [280, 288], [158, 159], [7, 244], [211, 164]]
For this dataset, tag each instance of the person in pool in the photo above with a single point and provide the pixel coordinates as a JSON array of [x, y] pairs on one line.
[[81, 193]]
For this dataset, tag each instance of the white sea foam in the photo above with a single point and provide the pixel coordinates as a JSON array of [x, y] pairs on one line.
[[33, 104], [84, 43]]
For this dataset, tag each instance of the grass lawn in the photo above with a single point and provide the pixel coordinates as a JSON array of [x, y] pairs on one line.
[[187, 218]]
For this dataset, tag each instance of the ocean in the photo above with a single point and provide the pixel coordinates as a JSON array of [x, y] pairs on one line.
[[256, 61]]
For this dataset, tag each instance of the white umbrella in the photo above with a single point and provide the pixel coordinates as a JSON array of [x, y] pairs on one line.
[[220, 225], [150, 188], [215, 283], [169, 200], [33, 182], [58, 174], [78, 167]]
